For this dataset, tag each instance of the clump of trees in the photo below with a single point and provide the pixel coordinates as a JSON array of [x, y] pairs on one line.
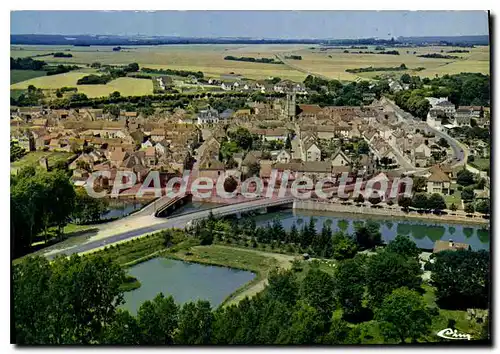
[[461, 278], [371, 68], [294, 57], [254, 60], [63, 55], [437, 56], [16, 152], [113, 72]]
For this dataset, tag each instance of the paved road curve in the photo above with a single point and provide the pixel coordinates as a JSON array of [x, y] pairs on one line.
[[459, 151]]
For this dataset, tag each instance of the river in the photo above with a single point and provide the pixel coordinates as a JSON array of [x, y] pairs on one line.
[[423, 233]]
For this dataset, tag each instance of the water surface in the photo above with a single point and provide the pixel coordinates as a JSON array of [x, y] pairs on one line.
[[425, 234], [184, 281]]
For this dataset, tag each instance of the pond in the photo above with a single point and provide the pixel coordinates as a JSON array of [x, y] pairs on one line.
[[184, 281], [423, 233]]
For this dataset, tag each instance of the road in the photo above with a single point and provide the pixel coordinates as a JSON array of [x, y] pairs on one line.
[[459, 151], [298, 68], [134, 225]]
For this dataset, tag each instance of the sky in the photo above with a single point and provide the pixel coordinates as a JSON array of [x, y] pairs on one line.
[[255, 24]]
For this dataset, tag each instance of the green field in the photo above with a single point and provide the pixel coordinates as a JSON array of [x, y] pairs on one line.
[[481, 164], [22, 75], [32, 158], [127, 86]]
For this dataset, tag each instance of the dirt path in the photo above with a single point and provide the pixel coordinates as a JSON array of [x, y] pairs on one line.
[[284, 261]]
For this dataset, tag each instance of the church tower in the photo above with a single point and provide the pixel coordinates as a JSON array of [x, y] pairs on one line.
[[290, 106]]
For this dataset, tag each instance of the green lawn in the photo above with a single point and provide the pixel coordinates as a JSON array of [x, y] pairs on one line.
[[32, 158], [455, 198], [481, 164], [23, 75]]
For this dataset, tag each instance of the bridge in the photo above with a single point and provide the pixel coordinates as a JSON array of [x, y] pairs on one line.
[[172, 204], [137, 225]]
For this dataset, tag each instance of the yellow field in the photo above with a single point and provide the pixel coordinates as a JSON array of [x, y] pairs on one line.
[[209, 59], [127, 86], [333, 62]]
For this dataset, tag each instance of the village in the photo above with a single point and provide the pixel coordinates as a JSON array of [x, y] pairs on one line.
[[305, 139]]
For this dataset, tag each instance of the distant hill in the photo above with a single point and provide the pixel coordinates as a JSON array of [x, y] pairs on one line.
[[86, 40], [471, 40]]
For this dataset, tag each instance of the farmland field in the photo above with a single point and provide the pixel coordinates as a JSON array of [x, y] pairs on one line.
[[209, 59], [127, 86], [22, 75], [333, 62]]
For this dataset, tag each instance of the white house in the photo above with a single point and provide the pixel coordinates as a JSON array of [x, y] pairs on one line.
[[283, 156], [340, 159], [208, 116], [313, 153]]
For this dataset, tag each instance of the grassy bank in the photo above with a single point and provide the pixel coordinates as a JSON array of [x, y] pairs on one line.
[[130, 283], [260, 263]]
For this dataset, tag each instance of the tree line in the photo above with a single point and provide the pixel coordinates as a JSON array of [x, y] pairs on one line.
[[254, 60], [302, 239], [371, 68], [438, 56], [183, 73], [45, 200], [380, 294], [39, 65]]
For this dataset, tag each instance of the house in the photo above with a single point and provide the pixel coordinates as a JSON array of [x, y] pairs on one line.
[[146, 144], [284, 156], [226, 86], [211, 169], [208, 116], [340, 159], [422, 148], [162, 147], [434, 117], [441, 245], [150, 156], [312, 152], [447, 107], [438, 181], [315, 170], [157, 134], [117, 156], [228, 113], [463, 117], [434, 101]]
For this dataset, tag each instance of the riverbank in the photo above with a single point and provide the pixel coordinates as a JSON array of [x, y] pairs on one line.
[[388, 211]]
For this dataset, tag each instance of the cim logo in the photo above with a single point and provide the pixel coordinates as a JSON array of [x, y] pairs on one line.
[[449, 333]]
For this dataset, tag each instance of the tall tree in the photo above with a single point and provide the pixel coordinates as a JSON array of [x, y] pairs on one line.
[[350, 286], [403, 315], [462, 278], [404, 246], [387, 271], [318, 290], [195, 324], [157, 320]]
